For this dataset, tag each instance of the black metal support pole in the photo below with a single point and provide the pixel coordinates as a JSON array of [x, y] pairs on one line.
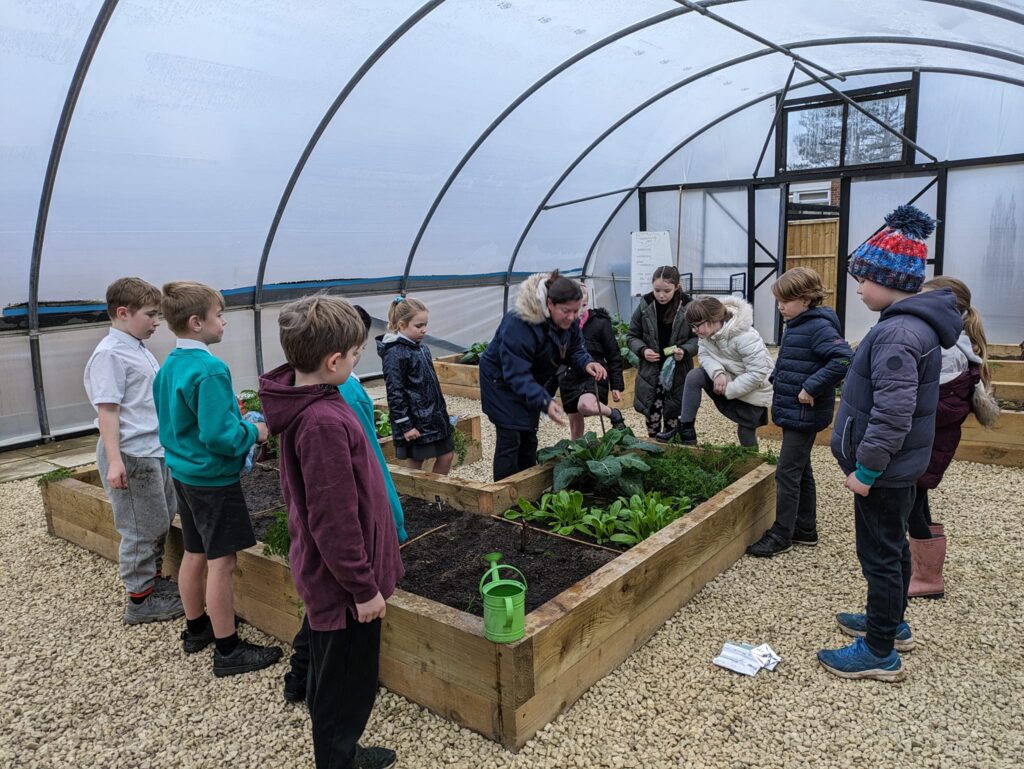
[[939, 254], [775, 120], [845, 185], [751, 247]]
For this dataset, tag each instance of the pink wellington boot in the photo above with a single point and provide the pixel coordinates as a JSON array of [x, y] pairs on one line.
[[927, 557]]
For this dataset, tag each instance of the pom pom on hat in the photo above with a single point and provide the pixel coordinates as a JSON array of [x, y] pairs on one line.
[[896, 256]]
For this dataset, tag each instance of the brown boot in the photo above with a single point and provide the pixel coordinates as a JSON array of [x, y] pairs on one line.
[[927, 557]]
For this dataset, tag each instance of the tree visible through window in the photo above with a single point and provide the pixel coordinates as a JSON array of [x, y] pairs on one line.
[[834, 135]]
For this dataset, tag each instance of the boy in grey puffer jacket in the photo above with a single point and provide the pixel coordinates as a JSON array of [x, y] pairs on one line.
[[883, 433]]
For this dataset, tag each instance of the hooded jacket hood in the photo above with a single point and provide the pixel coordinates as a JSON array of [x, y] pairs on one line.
[[529, 307], [822, 312], [936, 308], [742, 318], [283, 402]]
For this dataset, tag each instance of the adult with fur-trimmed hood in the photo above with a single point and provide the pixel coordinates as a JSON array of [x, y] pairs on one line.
[[734, 369], [534, 340]]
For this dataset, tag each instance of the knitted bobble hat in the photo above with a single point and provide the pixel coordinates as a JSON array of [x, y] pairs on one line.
[[896, 256]]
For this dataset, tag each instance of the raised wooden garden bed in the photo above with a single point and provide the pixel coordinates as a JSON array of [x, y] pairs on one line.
[[469, 427], [1002, 444], [463, 380], [438, 657]]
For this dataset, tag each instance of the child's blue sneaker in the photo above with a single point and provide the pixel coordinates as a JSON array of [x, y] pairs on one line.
[[858, 661], [856, 625]]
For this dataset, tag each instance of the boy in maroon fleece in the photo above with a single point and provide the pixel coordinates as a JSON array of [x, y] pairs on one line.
[[344, 549]]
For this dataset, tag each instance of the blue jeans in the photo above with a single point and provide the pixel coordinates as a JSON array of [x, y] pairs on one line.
[[884, 555]]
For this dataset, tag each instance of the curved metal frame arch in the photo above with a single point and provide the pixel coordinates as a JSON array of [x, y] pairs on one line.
[[49, 180], [774, 94], [970, 48], [970, 5], [353, 81]]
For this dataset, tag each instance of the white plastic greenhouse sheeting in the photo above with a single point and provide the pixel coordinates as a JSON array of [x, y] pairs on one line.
[[192, 118]]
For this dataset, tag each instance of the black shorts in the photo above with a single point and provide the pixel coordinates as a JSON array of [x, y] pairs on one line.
[[214, 519], [572, 388]]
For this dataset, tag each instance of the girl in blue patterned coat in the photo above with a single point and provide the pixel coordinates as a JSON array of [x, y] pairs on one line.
[[813, 359]]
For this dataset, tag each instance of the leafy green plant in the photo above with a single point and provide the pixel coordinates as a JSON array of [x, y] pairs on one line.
[[277, 540], [561, 511], [599, 524], [607, 464], [641, 516], [383, 424], [621, 329], [53, 476], [700, 474], [472, 355]]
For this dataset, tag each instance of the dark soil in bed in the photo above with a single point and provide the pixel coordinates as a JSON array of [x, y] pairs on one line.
[[262, 489], [446, 566]]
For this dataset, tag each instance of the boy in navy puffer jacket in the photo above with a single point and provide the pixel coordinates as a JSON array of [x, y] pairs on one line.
[[813, 359], [884, 430]]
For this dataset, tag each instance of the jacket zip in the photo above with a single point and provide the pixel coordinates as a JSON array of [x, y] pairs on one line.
[[845, 428]]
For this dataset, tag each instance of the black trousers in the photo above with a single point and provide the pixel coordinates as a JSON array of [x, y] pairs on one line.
[[920, 516], [514, 451], [796, 501], [342, 687], [884, 555], [299, 672]]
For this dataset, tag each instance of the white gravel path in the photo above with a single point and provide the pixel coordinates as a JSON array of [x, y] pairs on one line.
[[80, 690]]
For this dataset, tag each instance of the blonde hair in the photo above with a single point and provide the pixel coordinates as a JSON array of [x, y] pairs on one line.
[[402, 310], [973, 326], [705, 309], [314, 327], [133, 293], [185, 298], [799, 283]]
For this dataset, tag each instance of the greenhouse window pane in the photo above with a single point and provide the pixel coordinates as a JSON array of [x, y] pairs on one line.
[[868, 142], [814, 137]]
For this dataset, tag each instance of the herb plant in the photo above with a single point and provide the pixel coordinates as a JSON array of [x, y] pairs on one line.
[[277, 540], [462, 442], [621, 329], [383, 424], [53, 476]]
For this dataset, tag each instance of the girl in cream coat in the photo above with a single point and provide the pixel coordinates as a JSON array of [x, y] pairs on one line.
[[734, 369]]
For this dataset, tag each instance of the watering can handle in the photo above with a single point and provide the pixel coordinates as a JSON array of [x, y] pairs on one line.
[[494, 571], [508, 613]]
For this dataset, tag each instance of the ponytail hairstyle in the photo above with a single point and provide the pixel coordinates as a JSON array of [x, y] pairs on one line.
[[671, 274], [706, 309], [401, 311], [560, 289], [973, 326]]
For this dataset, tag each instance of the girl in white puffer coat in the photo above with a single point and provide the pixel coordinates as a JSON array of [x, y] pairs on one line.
[[734, 369]]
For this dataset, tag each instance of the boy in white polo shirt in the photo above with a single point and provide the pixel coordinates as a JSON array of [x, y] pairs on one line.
[[119, 382]]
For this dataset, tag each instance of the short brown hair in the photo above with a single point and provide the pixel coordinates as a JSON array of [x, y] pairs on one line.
[[133, 293], [705, 309], [185, 298], [799, 283], [317, 326]]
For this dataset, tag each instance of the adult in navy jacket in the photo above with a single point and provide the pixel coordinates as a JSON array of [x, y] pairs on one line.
[[534, 340]]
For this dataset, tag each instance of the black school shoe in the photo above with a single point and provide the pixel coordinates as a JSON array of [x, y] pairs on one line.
[[616, 419], [193, 643], [805, 538], [294, 687], [245, 658], [687, 435], [374, 758], [769, 546]]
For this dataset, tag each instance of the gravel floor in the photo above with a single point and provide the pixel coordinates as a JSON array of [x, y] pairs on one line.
[[80, 690]]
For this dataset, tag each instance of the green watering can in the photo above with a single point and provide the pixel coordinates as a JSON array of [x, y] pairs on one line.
[[504, 602]]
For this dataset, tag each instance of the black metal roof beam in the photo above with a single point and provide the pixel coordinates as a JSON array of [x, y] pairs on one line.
[[756, 37], [353, 81], [56, 150], [774, 181]]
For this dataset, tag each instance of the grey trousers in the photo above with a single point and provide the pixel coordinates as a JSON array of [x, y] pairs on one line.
[[142, 515], [747, 416]]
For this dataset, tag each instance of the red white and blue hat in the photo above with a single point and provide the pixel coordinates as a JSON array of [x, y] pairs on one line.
[[896, 256]]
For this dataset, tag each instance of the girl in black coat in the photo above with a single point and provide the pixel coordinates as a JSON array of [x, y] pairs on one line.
[[658, 326], [420, 426], [578, 392]]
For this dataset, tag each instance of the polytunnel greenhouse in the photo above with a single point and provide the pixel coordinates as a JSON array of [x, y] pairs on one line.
[[439, 160]]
